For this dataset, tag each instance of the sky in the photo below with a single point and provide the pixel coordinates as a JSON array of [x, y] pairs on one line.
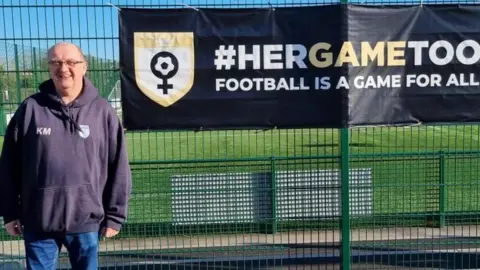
[[93, 24]]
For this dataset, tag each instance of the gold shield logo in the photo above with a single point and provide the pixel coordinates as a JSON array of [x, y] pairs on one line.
[[164, 65]]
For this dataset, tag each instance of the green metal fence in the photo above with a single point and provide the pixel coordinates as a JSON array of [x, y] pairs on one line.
[[260, 199]]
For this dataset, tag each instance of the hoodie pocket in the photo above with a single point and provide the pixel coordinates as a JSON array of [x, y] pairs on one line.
[[66, 208]]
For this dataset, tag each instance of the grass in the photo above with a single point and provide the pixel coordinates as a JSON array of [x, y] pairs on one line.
[[294, 143], [407, 165], [405, 162]]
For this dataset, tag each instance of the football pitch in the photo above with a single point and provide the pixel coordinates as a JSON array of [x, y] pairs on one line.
[[409, 164], [409, 167]]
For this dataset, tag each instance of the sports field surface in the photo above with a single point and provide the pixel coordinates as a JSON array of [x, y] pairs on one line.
[[409, 164], [412, 168]]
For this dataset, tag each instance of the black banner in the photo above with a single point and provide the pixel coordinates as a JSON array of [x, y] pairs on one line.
[[324, 66], [427, 70], [239, 68]]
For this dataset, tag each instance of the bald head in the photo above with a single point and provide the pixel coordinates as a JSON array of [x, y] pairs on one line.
[[68, 47]]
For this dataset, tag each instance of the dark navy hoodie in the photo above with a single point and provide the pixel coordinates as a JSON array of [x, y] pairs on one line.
[[64, 168]]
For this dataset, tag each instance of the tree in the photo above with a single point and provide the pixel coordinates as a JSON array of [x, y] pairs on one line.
[[7, 78]]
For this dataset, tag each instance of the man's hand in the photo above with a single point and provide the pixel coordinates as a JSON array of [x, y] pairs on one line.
[[14, 228], [109, 232]]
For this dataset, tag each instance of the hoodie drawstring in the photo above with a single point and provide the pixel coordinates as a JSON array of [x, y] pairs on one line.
[[66, 112]]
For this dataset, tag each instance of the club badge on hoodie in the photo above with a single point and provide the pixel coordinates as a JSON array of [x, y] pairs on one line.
[[84, 132]]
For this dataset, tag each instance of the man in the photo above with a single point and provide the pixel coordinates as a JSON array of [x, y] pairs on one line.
[[64, 172]]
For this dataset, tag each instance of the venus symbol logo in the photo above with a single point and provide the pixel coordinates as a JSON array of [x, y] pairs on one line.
[[164, 65]]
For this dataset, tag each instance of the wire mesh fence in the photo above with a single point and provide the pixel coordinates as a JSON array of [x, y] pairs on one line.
[[259, 199]]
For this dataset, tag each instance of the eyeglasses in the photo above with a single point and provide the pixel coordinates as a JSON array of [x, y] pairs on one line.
[[69, 63]]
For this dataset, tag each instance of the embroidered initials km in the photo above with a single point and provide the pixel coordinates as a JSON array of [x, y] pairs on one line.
[[44, 131]]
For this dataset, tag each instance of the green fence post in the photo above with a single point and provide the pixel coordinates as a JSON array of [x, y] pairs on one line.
[[442, 199], [3, 120], [17, 75], [35, 79], [345, 213], [274, 196], [345, 199]]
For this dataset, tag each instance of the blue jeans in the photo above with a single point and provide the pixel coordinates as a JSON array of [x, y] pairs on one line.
[[42, 249]]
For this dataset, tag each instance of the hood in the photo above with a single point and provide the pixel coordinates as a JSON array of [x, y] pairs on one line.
[[59, 108], [88, 94]]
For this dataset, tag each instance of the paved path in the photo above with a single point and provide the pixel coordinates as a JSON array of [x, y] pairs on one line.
[[15, 248]]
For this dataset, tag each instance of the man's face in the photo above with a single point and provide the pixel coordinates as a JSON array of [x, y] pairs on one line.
[[67, 67]]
